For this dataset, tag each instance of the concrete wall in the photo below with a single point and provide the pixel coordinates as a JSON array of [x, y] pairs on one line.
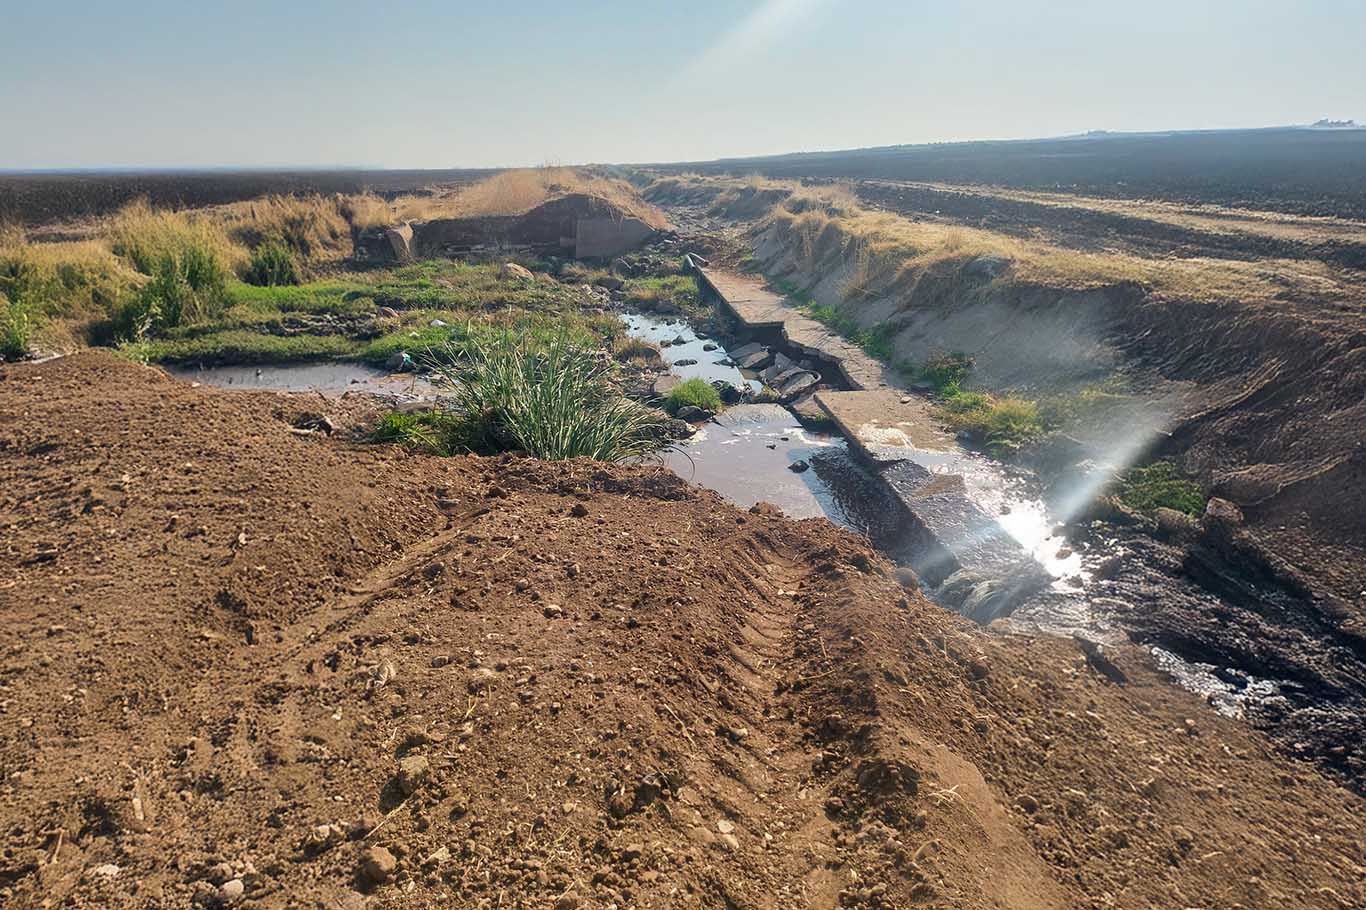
[[603, 238]]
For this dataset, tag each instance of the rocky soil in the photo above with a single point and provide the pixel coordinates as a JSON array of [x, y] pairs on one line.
[[254, 666]]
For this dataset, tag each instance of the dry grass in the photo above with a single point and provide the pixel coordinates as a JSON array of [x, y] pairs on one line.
[[828, 228], [366, 210], [895, 249], [1207, 218], [145, 236], [512, 192], [65, 288], [315, 228], [637, 350]]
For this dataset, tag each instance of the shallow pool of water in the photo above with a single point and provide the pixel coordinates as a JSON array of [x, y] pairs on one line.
[[710, 365], [332, 378], [746, 453]]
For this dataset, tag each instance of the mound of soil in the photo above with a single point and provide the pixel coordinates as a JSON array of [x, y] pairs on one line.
[[252, 666]]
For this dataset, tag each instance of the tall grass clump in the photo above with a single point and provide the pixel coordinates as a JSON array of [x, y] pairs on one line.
[[313, 228], [16, 330], [667, 293], [552, 400], [188, 261], [272, 265], [62, 289]]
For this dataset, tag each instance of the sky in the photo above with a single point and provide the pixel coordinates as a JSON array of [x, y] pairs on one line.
[[524, 82]]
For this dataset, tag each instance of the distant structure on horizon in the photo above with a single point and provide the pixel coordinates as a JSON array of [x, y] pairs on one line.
[[1326, 124]]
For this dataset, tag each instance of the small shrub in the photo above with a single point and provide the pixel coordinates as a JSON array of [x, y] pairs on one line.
[[1160, 485], [272, 265], [552, 400], [696, 392], [183, 291]]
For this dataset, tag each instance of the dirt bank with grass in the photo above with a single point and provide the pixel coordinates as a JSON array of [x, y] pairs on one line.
[[253, 666], [1242, 378]]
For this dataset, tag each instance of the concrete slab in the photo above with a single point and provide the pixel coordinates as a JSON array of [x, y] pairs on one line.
[[956, 543], [883, 423]]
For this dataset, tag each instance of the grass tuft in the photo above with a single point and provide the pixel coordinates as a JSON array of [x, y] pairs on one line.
[[272, 264], [1002, 425], [430, 432], [695, 392]]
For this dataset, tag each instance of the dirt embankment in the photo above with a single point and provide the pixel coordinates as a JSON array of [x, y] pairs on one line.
[[248, 666], [1262, 399]]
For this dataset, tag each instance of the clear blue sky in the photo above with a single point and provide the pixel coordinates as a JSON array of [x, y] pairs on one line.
[[443, 84]]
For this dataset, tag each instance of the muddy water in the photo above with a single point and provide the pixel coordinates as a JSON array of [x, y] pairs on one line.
[[747, 452], [331, 378], [710, 365]]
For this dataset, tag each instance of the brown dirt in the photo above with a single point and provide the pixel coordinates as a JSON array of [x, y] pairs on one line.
[[242, 656]]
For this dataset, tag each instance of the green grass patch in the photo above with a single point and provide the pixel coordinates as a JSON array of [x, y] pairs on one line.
[[791, 290], [1005, 424], [945, 372], [1160, 485], [342, 298], [695, 392], [444, 285], [416, 342], [430, 432], [1105, 404], [876, 342]]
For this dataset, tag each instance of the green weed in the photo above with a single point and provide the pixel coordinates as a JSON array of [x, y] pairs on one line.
[[1001, 424], [876, 342]]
